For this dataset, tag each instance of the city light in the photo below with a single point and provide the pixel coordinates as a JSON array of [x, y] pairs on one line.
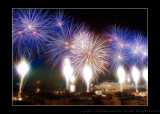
[[37, 90], [135, 75], [20, 98], [87, 74], [121, 75]]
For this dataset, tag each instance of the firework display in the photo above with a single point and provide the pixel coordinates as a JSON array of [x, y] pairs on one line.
[[127, 48], [82, 54]]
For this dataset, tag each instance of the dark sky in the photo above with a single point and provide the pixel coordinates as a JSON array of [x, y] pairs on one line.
[[98, 20]]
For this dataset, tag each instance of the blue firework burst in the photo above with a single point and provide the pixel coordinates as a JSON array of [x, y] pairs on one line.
[[138, 49], [59, 19], [30, 31], [119, 41]]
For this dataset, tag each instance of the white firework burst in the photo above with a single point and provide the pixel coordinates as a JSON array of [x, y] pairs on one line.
[[91, 50]]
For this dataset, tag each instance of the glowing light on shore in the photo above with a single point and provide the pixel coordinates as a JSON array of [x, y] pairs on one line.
[[37, 90], [135, 75], [87, 74], [67, 71], [121, 75], [20, 98], [22, 69]]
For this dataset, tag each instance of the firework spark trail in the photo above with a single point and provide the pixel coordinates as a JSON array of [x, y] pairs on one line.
[[22, 69], [145, 74], [87, 75], [135, 74], [67, 71], [121, 75], [30, 31], [91, 50], [60, 43]]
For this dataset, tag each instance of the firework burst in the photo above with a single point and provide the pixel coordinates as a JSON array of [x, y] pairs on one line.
[[118, 36], [138, 50], [119, 57], [30, 32], [89, 50], [119, 41], [59, 19], [60, 43]]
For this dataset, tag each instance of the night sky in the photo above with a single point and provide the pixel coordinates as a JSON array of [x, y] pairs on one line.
[[98, 20]]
